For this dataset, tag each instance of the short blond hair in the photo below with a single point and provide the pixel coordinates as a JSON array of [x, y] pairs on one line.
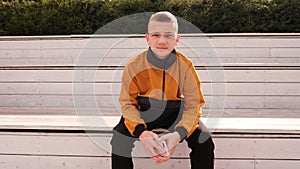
[[164, 16]]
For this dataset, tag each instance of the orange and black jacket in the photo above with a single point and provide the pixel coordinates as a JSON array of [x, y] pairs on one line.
[[161, 94]]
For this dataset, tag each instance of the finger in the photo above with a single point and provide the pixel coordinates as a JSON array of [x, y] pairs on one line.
[[165, 158], [159, 148], [158, 161], [163, 137], [162, 159], [151, 152], [165, 154], [171, 152], [154, 152], [155, 158], [155, 137]]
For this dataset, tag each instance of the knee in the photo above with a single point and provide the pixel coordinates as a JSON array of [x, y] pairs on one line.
[[121, 140], [209, 143], [201, 145], [122, 145], [201, 140]]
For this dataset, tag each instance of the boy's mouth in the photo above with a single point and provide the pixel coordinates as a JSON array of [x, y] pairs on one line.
[[162, 48]]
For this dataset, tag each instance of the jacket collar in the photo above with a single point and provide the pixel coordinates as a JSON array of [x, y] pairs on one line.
[[162, 64]]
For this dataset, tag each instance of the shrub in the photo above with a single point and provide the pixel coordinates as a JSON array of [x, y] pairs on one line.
[[61, 17]]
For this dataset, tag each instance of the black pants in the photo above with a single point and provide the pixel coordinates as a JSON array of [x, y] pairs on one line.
[[200, 142]]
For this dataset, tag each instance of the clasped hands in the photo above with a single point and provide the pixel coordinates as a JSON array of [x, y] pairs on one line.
[[153, 147]]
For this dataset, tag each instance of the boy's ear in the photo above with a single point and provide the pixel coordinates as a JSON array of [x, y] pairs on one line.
[[177, 38], [147, 37]]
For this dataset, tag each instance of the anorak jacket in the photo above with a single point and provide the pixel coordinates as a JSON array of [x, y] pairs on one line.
[[161, 94]]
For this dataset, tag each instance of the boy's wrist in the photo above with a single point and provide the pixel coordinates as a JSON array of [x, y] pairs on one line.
[[139, 129], [182, 133]]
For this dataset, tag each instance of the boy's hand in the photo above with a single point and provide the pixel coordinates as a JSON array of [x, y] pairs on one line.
[[151, 145], [172, 139]]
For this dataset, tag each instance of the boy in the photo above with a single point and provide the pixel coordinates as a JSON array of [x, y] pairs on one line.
[[160, 90]]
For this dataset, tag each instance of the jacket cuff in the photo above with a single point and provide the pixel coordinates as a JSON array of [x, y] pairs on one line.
[[182, 132], [138, 130]]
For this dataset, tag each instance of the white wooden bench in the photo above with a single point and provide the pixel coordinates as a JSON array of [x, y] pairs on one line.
[[39, 126]]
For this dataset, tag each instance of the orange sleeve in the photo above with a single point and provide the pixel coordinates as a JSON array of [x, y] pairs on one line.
[[129, 106], [193, 102]]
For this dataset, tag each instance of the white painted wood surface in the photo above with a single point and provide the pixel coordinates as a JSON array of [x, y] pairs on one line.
[[61, 162], [71, 111], [269, 89], [106, 123], [62, 150], [264, 88], [40, 129], [67, 101], [242, 75], [238, 50]]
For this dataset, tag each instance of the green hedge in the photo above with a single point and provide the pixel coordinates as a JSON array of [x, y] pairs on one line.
[[65, 17]]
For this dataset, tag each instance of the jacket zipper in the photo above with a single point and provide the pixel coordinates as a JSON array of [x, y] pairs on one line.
[[163, 83]]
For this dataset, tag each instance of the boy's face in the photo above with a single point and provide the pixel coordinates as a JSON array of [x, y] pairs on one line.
[[162, 37]]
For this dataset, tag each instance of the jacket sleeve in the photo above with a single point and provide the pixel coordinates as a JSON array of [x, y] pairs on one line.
[[129, 106], [193, 102]]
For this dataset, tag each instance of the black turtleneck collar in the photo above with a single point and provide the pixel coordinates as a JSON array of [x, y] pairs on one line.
[[163, 64]]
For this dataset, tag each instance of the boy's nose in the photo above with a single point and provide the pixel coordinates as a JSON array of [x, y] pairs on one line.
[[162, 39]]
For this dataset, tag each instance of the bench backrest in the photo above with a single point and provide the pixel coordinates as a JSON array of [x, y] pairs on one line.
[[253, 74]]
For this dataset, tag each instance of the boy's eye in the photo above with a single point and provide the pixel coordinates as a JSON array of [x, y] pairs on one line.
[[155, 35], [170, 36]]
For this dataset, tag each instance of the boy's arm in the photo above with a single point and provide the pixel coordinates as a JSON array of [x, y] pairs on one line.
[[193, 102], [129, 106]]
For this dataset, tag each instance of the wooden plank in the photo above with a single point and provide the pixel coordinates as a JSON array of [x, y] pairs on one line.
[[54, 144], [118, 56], [72, 43], [240, 42], [57, 162], [258, 148], [247, 63], [124, 53], [218, 40], [70, 111], [52, 162], [277, 164], [234, 164], [141, 163], [61, 162], [252, 124], [262, 89], [267, 42], [91, 101], [185, 163], [267, 76], [267, 102], [89, 75], [226, 113], [106, 123], [237, 147], [210, 61], [51, 144], [49, 54], [93, 43], [285, 52], [66, 51], [260, 113], [232, 89]]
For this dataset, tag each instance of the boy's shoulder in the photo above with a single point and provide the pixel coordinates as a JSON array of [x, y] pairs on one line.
[[184, 58]]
